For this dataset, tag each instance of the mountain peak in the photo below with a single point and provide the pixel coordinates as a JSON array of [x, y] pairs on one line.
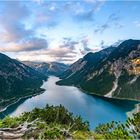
[[88, 55], [130, 41], [3, 55]]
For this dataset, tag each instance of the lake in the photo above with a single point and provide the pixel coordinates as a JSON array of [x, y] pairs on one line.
[[92, 108]]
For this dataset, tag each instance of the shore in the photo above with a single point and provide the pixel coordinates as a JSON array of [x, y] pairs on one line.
[[135, 110], [17, 100], [104, 97]]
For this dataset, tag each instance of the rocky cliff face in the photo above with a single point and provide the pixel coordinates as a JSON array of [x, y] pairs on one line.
[[116, 74], [17, 79]]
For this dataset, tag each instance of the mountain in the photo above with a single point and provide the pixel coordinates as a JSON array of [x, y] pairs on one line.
[[113, 72], [17, 80], [76, 72], [52, 68]]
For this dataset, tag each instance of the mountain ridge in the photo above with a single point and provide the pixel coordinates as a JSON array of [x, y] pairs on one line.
[[47, 68], [17, 80], [115, 75]]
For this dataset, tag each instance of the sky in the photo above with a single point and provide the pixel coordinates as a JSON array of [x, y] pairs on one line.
[[64, 31]]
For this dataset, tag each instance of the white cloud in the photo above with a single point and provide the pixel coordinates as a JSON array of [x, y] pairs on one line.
[[14, 36], [24, 46], [137, 23]]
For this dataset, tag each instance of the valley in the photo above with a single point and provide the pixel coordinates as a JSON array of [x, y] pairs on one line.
[[50, 68], [90, 107], [111, 73], [69, 69]]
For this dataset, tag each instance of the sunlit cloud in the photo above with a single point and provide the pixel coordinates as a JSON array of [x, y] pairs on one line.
[[25, 46], [64, 31]]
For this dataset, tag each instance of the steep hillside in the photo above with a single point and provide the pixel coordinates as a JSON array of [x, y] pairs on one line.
[[52, 68], [115, 75], [76, 73], [17, 80]]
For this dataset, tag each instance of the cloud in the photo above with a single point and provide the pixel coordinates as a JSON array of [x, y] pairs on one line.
[[90, 1], [14, 32], [85, 16], [79, 11], [38, 1], [81, 43], [83, 11], [65, 51], [11, 21], [115, 44], [85, 42], [102, 43], [33, 44], [59, 54], [62, 52], [113, 17], [119, 25], [14, 35], [46, 16], [112, 20], [102, 28], [26, 29], [69, 43], [137, 23]]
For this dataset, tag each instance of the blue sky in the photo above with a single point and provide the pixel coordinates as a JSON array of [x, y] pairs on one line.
[[64, 31]]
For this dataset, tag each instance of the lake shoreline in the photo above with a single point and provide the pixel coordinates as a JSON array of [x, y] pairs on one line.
[[20, 98], [95, 94], [129, 113], [135, 110], [84, 91]]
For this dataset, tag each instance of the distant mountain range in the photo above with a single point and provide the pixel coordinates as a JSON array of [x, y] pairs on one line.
[[112, 72], [50, 68]]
